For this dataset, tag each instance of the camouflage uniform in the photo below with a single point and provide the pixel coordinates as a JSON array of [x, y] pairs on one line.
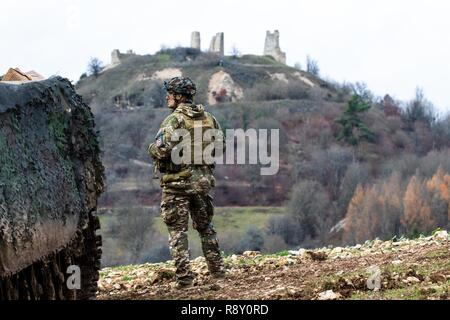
[[186, 192]]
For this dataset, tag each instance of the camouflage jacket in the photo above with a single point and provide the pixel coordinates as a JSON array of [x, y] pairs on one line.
[[185, 178]]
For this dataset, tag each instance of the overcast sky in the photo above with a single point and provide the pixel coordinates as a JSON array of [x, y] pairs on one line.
[[392, 45]]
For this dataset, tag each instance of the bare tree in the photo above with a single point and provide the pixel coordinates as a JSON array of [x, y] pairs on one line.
[[133, 231], [310, 208], [356, 174], [95, 66], [234, 52], [419, 110], [329, 168], [362, 90], [312, 66]]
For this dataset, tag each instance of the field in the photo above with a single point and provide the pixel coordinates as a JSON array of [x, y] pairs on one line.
[[235, 219], [231, 224]]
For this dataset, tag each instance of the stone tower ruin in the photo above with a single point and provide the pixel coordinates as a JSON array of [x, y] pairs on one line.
[[216, 45], [195, 40], [117, 56], [272, 46]]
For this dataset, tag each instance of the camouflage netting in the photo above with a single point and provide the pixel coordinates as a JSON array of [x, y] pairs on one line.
[[50, 170]]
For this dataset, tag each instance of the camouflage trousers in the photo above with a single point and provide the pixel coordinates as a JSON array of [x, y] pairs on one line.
[[175, 211]]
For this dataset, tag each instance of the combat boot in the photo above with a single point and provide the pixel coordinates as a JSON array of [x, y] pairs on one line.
[[182, 285], [185, 281], [219, 274]]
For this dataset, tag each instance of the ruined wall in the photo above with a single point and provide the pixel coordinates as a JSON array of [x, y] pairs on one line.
[[217, 44], [195, 40], [272, 46], [117, 56]]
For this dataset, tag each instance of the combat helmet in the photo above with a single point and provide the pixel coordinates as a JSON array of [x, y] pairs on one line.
[[181, 85]]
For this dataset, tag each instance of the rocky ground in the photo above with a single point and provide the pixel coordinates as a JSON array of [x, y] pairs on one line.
[[402, 269]]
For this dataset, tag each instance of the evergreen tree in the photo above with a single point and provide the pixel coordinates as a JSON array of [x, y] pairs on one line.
[[354, 130]]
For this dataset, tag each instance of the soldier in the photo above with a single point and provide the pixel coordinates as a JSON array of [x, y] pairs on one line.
[[186, 186]]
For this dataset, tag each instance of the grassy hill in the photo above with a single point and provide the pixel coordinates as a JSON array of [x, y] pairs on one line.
[[319, 175], [128, 102], [135, 81]]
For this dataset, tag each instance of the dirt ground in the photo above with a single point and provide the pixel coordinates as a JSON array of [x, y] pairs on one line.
[[407, 269]]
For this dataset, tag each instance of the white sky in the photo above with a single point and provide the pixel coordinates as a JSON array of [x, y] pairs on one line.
[[392, 45]]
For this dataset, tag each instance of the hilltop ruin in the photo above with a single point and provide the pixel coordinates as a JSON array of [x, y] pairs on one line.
[[117, 56], [272, 46], [195, 40], [217, 46]]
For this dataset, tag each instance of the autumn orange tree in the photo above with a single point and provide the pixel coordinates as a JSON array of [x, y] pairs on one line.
[[386, 209], [354, 219], [375, 211], [417, 216], [438, 188], [390, 206]]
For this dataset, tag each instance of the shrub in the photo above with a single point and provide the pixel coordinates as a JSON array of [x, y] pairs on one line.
[[329, 166], [155, 95], [312, 66], [285, 227], [129, 233], [277, 91], [419, 109], [180, 54], [274, 243], [159, 252], [253, 239], [309, 206]]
